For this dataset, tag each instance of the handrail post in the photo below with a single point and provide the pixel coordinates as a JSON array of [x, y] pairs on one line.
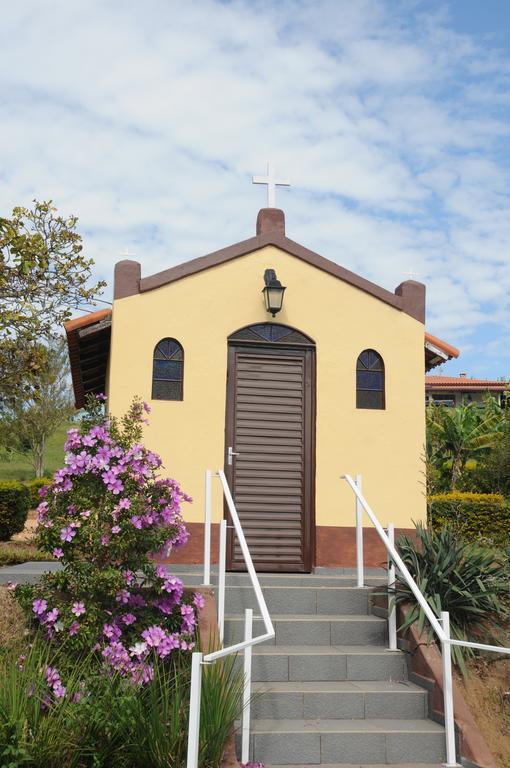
[[194, 711], [248, 631], [359, 538], [392, 608], [449, 717], [221, 579], [207, 529]]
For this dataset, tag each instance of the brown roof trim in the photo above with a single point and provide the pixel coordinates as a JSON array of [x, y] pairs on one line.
[[442, 345], [401, 301], [72, 329]]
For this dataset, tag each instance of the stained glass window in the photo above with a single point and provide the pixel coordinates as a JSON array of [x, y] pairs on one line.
[[274, 333], [370, 380], [167, 370]]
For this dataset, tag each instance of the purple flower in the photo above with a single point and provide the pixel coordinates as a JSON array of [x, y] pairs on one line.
[[198, 600], [88, 441], [39, 606], [52, 676], [59, 690], [128, 577], [78, 608], [105, 540], [101, 397], [161, 572], [52, 616], [128, 618], [58, 552], [67, 533], [73, 629], [153, 636], [147, 408], [86, 513], [115, 528], [123, 596], [112, 632], [188, 618], [137, 521], [124, 504]]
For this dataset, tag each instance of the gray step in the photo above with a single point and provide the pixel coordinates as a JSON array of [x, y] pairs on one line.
[[354, 741], [339, 700], [310, 629], [300, 599], [332, 577], [321, 663], [357, 765]]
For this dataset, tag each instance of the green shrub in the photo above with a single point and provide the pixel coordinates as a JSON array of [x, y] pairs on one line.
[[34, 486], [69, 716], [14, 506], [473, 515], [469, 580]]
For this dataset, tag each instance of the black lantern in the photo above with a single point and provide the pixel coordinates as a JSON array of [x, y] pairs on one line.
[[273, 292]]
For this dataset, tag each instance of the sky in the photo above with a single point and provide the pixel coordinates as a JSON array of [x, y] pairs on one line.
[[389, 117]]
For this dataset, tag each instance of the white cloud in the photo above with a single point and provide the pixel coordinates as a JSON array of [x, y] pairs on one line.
[[148, 119]]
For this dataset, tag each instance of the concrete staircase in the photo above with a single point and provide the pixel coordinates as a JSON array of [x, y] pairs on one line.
[[326, 689]]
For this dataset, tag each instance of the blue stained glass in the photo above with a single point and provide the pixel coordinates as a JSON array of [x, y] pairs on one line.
[[169, 370], [372, 380]]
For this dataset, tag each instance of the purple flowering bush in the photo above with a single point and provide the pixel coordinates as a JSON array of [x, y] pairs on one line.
[[104, 516]]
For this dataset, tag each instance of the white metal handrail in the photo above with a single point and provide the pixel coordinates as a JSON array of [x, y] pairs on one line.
[[440, 626], [198, 658]]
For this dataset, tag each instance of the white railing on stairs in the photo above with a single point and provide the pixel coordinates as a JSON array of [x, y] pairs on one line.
[[199, 658], [441, 626]]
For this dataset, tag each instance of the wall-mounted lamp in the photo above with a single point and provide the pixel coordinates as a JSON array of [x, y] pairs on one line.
[[273, 292]]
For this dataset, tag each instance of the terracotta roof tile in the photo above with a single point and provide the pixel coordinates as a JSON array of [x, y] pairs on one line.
[[450, 351], [462, 382]]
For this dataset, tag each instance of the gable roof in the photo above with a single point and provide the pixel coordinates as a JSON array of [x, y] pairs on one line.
[[408, 297]]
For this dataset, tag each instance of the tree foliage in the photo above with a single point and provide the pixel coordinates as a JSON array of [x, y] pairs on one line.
[[455, 435], [43, 276], [27, 423]]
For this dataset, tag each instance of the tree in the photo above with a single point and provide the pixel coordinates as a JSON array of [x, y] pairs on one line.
[[43, 276], [459, 433], [28, 423]]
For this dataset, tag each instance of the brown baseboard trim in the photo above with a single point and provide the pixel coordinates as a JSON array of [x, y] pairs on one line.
[[335, 546]]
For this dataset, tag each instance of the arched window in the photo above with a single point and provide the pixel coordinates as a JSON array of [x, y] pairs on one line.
[[370, 380], [167, 370]]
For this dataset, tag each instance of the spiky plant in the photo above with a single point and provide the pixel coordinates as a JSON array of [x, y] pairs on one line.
[[468, 580]]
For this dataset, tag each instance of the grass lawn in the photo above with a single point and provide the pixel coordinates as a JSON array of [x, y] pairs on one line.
[[20, 467]]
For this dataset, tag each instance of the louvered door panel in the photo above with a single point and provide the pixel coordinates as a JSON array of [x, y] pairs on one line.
[[269, 425]]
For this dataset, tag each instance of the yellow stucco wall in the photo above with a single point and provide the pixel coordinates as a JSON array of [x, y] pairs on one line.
[[202, 310]]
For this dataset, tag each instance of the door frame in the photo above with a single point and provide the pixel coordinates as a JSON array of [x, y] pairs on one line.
[[265, 347]]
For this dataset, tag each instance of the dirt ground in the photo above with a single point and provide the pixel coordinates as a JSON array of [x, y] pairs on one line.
[[487, 692], [27, 534], [12, 623]]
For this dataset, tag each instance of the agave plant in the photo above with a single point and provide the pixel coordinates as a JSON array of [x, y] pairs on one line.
[[468, 580]]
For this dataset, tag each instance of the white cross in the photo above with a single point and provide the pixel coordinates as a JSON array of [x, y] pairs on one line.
[[126, 254], [272, 183], [411, 274]]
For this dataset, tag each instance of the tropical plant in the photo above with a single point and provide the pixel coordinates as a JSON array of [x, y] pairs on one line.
[[466, 579], [457, 434]]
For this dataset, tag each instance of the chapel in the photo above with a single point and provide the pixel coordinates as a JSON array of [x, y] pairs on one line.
[[286, 370]]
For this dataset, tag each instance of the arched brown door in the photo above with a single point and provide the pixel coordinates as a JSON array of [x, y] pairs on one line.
[[270, 445]]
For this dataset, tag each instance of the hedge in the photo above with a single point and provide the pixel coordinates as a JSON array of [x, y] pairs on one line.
[[474, 515], [14, 506], [34, 486]]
